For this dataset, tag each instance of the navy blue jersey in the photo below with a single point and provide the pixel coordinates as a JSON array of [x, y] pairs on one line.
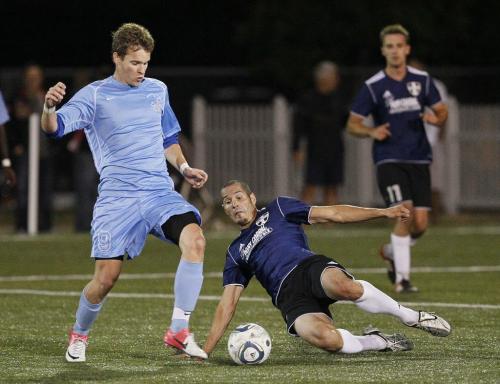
[[271, 247], [401, 104]]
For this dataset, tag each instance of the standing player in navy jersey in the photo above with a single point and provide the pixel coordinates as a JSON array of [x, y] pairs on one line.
[[272, 246], [396, 97], [131, 129]]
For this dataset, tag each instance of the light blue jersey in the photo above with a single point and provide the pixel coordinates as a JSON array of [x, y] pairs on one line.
[[127, 129], [4, 115]]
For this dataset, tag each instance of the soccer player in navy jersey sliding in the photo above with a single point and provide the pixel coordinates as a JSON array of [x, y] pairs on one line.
[[272, 246], [396, 98], [131, 129]]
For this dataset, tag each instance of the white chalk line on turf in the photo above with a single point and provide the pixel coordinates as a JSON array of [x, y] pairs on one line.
[[319, 232], [209, 275], [118, 295]]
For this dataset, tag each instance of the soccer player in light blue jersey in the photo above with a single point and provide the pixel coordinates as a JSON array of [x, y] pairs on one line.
[[273, 247], [396, 98], [131, 129]]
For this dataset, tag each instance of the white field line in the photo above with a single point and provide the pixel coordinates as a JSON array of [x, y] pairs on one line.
[[339, 231], [217, 298], [153, 276]]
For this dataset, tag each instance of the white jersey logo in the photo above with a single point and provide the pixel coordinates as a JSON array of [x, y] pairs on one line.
[[414, 87], [405, 104], [262, 232]]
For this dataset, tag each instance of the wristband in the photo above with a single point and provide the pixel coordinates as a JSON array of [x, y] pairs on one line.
[[6, 163], [48, 110], [183, 167]]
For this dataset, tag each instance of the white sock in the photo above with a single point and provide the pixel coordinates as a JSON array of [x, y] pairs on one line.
[[401, 252], [351, 344], [374, 300], [372, 342], [180, 319], [356, 344]]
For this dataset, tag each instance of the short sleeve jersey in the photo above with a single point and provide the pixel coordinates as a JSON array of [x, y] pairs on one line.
[[125, 128], [271, 247], [401, 104]]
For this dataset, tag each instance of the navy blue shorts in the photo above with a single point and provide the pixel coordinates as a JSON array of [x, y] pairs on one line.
[[302, 292], [399, 182]]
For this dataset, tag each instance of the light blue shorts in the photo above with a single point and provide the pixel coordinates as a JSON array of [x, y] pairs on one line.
[[121, 224]]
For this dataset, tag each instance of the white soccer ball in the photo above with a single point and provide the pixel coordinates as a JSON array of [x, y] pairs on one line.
[[249, 344]]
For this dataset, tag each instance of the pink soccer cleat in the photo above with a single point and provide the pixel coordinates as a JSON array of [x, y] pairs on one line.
[[184, 341]]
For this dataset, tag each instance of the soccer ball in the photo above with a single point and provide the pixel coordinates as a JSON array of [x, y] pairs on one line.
[[249, 344]]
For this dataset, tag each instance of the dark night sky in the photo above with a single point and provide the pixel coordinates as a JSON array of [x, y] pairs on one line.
[[278, 42], [249, 33], [78, 33]]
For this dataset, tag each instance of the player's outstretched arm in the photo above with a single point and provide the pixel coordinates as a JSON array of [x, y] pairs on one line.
[[53, 97], [194, 176], [223, 315], [351, 214]]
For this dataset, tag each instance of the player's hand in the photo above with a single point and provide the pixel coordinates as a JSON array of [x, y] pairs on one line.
[[381, 132], [398, 211], [430, 118], [196, 177], [55, 95]]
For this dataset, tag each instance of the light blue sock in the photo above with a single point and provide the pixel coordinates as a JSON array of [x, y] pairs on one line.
[[85, 315], [187, 287]]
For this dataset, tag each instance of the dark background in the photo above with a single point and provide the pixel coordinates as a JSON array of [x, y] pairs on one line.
[[276, 42]]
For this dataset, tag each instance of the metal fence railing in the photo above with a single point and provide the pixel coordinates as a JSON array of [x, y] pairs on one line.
[[252, 142]]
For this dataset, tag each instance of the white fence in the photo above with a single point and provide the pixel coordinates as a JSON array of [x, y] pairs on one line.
[[252, 143], [246, 142]]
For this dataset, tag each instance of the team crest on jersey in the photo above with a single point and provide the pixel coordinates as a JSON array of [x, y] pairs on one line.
[[157, 103], [262, 219], [414, 87]]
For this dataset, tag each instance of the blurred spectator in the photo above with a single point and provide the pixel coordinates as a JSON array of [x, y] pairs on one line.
[[8, 173], [85, 180], [436, 137], [85, 177], [320, 119], [28, 100]]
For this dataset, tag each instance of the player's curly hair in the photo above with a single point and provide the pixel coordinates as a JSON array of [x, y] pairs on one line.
[[131, 35], [393, 29]]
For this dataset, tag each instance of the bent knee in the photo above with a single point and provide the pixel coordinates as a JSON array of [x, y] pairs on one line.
[[346, 289], [193, 247], [106, 282], [197, 244], [330, 341]]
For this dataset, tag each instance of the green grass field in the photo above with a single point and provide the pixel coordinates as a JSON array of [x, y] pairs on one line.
[[41, 279]]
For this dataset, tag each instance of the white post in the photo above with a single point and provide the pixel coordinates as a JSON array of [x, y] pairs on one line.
[[365, 168], [199, 132], [33, 172], [281, 145], [451, 193]]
